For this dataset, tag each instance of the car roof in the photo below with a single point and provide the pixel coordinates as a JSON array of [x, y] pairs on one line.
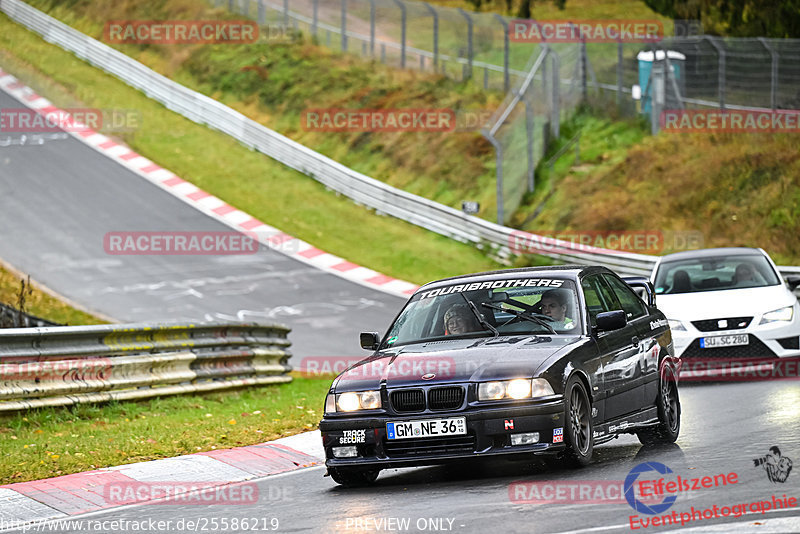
[[711, 252], [564, 271]]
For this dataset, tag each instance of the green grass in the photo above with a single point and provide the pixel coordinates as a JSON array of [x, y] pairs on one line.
[[50, 442], [248, 180]]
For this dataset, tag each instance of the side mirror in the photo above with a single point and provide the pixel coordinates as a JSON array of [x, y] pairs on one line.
[[793, 281], [369, 340], [643, 287], [613, 320]]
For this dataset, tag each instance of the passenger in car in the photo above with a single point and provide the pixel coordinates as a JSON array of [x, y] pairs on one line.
[[459, 319]]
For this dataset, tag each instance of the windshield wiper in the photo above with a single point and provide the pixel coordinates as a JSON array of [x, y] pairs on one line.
[[539, 318], [478, 315]]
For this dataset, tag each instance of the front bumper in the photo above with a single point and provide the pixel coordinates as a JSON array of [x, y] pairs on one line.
[[488, 434], [774, 340]]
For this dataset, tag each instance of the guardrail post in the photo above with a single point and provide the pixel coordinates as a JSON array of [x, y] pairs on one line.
[[435, 15], [773, 88], [246, 8], [555, 109], [506, 78], [720, 70], [230, 6], [286, 13], [344, 25], [469, 42], [372, 28], [315, 17], [402, 7], [529, 122]]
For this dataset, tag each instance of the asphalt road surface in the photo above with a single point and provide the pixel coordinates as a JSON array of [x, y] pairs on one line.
[[724, 427], [59, 198]]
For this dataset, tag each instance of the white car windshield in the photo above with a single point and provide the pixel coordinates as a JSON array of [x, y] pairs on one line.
[[716, 273], [498, 307]]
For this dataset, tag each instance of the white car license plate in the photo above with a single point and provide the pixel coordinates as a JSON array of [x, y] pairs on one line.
[[724, 341], [427, 428]]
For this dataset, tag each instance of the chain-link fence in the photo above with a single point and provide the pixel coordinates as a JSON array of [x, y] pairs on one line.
[[545, 82]]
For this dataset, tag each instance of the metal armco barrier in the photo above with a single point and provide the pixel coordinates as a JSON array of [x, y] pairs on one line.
[[358, 187], [59, 366]]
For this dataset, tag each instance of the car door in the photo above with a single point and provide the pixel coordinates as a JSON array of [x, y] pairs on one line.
[[637, 315], [620, 356]]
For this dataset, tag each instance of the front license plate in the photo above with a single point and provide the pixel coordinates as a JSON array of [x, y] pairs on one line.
[[428, 428], [724, 341]]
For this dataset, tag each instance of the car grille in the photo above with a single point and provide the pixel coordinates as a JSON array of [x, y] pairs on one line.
[[448, 398], [756, 349], [413, 400], [429, 447], [408, 400], [712, 325]]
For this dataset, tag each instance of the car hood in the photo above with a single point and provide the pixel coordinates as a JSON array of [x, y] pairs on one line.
[[459, 360], [749, 302]]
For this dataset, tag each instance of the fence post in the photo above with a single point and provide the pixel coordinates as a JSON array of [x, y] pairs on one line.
[[315, 17], [372, 28], [402, 7], [555, 111], [286, 13], [435, 35], [469, 41], [529, 120], [230, 6], [619, 73], [506, 80], [344, 25], [720, 70], [246, 10], [262, 15], [773, 89], [498, 151]]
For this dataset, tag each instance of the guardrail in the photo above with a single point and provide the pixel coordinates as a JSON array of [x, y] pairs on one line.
[[59, 366], [358, 187]]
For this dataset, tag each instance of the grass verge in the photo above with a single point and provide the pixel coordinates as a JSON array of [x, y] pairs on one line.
[[50, 442]]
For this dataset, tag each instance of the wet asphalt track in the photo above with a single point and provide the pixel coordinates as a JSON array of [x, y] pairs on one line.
[[725, 426], [59, 198]]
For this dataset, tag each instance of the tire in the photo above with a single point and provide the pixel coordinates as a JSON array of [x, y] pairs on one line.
[[350, 477], [669, 413], [578, 433]]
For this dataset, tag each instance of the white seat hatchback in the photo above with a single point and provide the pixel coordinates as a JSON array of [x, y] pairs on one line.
[[728, 303]]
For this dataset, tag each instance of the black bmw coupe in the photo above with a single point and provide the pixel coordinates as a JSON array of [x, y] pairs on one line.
[[547, 360]]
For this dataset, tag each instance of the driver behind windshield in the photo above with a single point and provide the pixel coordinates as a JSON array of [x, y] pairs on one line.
[[554, 305], [459, 319]]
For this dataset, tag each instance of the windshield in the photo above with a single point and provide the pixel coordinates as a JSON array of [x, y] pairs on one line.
[[715, 273], [500, 307]]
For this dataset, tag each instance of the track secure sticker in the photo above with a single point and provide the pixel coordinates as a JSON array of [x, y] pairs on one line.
[[353, 436], [558, 435]]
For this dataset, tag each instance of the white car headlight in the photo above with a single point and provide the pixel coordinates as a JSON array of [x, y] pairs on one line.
[[781, 314], [362, 400], [675, 324], [519, 388]]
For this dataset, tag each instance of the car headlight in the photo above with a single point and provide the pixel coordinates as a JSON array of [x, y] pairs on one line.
[[781, 314], [352, 401], [675, 324], [519, 388]]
